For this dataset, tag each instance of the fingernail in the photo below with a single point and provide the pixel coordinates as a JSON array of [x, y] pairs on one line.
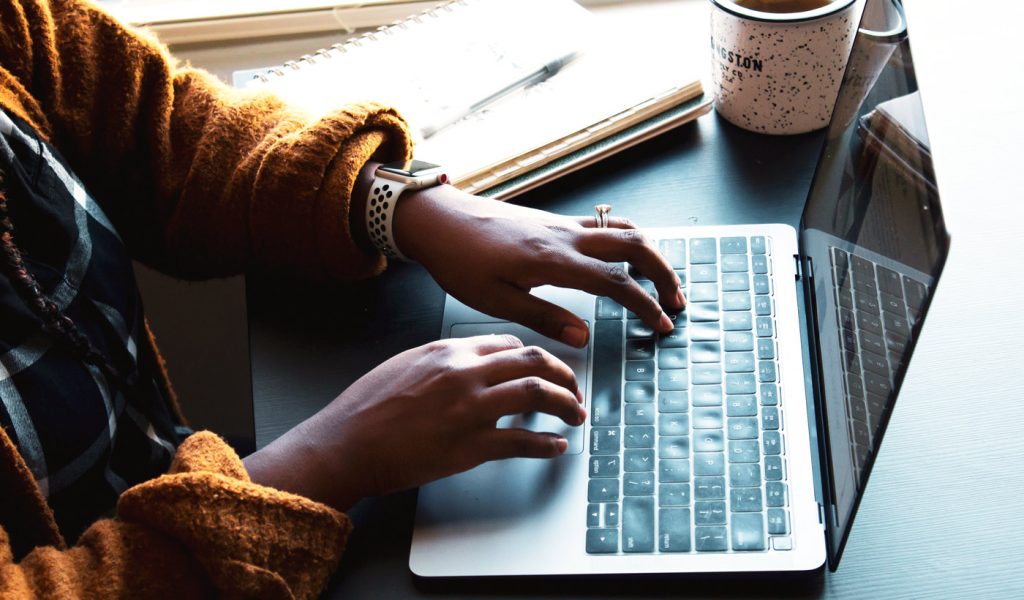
[[561, 444], [574, 336], [665, 324], [579, 396], [583, 416], [680, 299]]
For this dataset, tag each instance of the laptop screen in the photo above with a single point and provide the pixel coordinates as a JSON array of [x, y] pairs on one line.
[[873, 232]]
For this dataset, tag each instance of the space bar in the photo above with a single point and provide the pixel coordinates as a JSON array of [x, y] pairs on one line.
[[606, 399]]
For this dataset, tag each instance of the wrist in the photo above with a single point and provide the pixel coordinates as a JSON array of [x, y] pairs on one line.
[[357, 206], [421, 216]]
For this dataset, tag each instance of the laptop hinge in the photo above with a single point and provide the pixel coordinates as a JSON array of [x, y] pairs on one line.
[[821, 513], [799, 267]]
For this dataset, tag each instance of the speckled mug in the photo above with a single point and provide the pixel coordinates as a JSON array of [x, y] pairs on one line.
[[779, 73]]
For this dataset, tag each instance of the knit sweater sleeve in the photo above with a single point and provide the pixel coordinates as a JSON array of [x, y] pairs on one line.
[[201, 530], [201, 180]]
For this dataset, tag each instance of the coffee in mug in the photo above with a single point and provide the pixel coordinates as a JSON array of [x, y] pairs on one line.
[[777, 64]]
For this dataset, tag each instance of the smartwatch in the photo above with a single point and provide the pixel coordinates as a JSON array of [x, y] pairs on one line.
[[389, 181]]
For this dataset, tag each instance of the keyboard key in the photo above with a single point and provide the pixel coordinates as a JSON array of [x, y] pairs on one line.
[[638, 524], [709, 513], [705, 332], [738, 341], [641, 349], [706, 352], [739, 362], [733, 245], [639, 370], [769, 394], [640, 413], [747, 499], [711, 539], [604, 440], [773, 468], [708, 440], [593, 515], [674, 447], [704, 274], [765, 327], [602, 541], [735, 282], [611, 515], [744, 451], [748, 532], [673, 470], [772, 443], [606, 397], [706, 374], [892, 305], [706, 395], [776, 493], [703, 292], [702, 251], [635, 328], [735, 263], [603, 490], [743, 428], [673, 402], [758, 245], [866, 302], [674, 424], [707, 418], [709, 488], [763, 305], [762, 284], [770, 418], [677, 338], [673, 358], [737, 321], [778, 521], [639, 459], [638, 484], [674, 494], [740, 383], [741, 406], [745, 475], [639, 391], [674, 529], [709, 463], [674, 252], [736, 301], [703, 312], [766, 371], [639, 436], [673, 380], [606, 308], [604, 466], [765, 348], [759, 264]]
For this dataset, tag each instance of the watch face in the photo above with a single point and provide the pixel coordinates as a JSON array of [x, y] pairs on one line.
[[408, 168]]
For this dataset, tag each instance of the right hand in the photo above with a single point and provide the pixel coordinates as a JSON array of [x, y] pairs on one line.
[[424, 414]]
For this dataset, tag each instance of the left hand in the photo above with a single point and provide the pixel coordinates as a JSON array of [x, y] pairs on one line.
[[490, 254]]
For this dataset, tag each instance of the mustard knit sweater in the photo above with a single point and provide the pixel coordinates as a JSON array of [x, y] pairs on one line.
[[201, 181]]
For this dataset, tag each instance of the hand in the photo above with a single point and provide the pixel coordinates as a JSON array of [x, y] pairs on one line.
[[490, 254], [424, 414]]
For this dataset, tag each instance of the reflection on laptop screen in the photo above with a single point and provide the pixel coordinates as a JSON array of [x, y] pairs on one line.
[[874, 231]]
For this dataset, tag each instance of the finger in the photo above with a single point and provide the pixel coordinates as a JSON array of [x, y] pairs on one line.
[[632, 246], [500, 367], [609, 279], [520, 443], [613, 222], [553, 321], [483, 345], [531, 394]]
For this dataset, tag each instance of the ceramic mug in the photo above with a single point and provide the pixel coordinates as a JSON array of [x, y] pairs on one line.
[[779, 72]]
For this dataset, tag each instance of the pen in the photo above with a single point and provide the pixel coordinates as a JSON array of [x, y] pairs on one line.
[[541, 74]]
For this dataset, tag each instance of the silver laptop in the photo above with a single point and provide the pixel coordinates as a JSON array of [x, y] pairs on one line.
[[743, 440]]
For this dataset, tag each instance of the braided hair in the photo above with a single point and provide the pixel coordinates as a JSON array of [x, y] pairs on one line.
[[56, 324]]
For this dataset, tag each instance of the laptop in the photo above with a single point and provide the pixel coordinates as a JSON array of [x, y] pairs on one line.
[[743, 440]]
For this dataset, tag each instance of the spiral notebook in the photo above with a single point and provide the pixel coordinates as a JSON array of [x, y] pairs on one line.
[[610, 96]]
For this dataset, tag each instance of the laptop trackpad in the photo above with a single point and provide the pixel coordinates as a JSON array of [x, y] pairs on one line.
[[576, 358]]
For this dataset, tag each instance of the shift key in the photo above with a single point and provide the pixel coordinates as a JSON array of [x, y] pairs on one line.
[[606, 388], [638, 524]]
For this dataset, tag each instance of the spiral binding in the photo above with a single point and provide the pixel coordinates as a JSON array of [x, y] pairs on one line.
[[357, 41]]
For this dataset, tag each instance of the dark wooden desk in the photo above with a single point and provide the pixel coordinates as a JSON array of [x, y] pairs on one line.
[[943, 512]]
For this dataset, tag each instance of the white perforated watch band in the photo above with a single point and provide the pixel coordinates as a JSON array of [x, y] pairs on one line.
[[380, 212]]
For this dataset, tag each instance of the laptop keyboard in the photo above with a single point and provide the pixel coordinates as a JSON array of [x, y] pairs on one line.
[[686, 447], [877, 311]]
